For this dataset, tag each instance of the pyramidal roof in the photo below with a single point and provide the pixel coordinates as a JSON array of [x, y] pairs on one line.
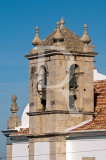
[[71, 40]]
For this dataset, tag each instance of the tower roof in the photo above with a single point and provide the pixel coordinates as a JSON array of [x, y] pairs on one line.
[[71, 40]]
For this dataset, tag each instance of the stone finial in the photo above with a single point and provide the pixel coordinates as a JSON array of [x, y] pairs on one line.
[[85, 38], [36, 41], [14, 107], [14, 119], [58, 36], [62, 22]]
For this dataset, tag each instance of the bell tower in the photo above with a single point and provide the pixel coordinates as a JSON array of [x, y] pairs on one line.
[[61, 89]]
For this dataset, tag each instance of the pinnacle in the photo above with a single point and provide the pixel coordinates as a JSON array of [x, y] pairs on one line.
[[14, 107], [36, 41], [85, 38], [62, 22], [58, 36]]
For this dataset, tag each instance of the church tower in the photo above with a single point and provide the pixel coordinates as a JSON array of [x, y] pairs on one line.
[[61, 89]]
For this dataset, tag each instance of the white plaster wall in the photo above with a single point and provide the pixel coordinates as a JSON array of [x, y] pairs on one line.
[[98, 76], [76, 149], [24, 119], [20, 151], [42, 151]]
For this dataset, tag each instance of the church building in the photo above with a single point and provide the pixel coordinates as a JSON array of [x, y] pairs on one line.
[[66, 115]]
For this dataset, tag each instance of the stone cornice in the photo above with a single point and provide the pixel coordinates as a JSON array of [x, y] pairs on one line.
[[48, 53], [19, 138], [86, 133], [7, 135], [59, 112], [69, 134], [45, 135], [8, 132]]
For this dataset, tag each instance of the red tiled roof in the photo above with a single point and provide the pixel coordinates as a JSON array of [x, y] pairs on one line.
[[99, 120], [21, 132]]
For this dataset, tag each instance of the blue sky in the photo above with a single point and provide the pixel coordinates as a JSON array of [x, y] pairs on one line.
[[18, 19]]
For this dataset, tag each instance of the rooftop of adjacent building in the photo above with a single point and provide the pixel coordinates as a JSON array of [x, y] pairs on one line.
[[98, 123]]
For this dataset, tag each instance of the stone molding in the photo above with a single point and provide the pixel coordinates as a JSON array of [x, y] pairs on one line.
[[86, 133], [59, 112], [55, 52], [58, 135], [47, 135]]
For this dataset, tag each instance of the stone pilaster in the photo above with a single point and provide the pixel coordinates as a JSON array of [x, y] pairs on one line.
[[31, 149], [58, 148], [9, 151]]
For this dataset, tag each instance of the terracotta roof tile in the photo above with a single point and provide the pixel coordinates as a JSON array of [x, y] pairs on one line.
[[99, 121], [21, 132]]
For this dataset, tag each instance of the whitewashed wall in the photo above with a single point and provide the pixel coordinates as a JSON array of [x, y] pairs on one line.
[[76, 149], [20, 151], [42, 151], [98, 76], [24, 119]]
